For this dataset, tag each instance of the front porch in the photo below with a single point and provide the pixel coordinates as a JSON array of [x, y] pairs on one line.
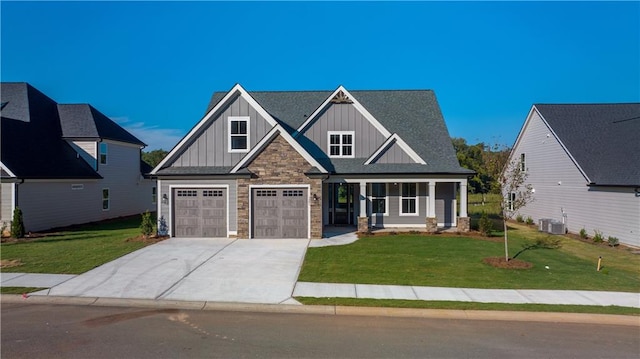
[[407, 204]]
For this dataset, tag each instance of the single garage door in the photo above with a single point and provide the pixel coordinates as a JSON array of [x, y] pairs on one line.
[[200, 212], [280, 213]]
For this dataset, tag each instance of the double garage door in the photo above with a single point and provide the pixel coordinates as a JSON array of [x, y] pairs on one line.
[[280, 213], [200, 212]]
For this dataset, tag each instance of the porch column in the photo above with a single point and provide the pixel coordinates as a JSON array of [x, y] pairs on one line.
[[463, 222], [363, 219], [431, 220]]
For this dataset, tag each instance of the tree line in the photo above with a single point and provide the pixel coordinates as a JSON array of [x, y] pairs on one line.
[[487, 160]]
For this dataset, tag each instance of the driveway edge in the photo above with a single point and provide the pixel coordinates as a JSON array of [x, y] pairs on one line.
[[547, 317]]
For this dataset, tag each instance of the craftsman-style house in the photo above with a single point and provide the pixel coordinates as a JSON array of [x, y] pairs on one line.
[[289, 164]]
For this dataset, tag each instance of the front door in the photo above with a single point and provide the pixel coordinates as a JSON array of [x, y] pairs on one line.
[[342, 203]]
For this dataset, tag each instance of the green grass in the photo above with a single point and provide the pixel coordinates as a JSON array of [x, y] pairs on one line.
[[75, 250], [456, 261], [491, 204], [19, 290], [469, 305]]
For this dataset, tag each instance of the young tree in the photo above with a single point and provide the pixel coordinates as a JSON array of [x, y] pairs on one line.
[[17, 225], [517, 194]]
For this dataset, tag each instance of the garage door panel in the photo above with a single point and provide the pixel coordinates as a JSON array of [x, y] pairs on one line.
[[280, 213], [200, 213]]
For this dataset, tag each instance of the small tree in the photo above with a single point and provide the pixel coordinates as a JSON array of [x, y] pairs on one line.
[[147, 224], [516, 194], [17, 225], [163, 230]]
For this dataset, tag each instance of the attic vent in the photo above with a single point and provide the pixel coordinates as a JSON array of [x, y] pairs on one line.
[[340, 97]]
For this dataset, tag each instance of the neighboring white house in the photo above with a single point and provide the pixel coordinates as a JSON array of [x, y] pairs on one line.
[[67, 164], [583, 161]]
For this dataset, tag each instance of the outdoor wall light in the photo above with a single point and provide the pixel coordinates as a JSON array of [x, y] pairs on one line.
[[315, 197], [165, 199]]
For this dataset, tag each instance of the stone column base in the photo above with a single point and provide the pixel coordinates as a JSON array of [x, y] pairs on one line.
[[432, 224], [363, 224], [464, 224]]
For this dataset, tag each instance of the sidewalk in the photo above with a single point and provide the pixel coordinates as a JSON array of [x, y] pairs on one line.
[[371, 291]]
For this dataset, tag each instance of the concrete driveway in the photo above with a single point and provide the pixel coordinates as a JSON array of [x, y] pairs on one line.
[[222, 270]]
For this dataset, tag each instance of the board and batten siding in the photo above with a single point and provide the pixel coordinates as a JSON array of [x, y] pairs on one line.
[[211, 146], [49, 204], [394, 154], [87, 151], [166, 184], [345, 117], [6, 202], [560, 186]]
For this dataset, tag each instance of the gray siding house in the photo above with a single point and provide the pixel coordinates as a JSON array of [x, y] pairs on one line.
[[290, 164], [583, 161], [67, 164]]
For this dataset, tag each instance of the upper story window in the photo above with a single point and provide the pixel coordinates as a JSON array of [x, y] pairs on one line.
[[239, 134], [523, 163], [103, 153], [341, 143], [409, 199]]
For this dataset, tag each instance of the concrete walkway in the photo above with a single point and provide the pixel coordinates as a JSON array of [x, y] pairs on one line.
[[262, 271]]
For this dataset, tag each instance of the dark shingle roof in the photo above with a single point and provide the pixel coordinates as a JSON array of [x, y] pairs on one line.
[[82, 121], [32, 146], [602, 138], [413, 114]]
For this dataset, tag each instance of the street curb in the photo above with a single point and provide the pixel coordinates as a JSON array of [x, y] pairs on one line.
[[455, 314]]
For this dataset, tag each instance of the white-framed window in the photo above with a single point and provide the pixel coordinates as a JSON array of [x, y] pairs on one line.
[[105, 199], [379, 202], [409, 199], [103, 153], [239, 134], [154, 195], [510, 200], [523, 163], [340, 143]]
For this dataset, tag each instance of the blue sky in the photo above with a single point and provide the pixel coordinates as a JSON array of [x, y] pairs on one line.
[[152, 66]]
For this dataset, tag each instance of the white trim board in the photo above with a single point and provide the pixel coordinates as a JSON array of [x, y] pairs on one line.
[[236, 90], [355, 103], [395, 138]]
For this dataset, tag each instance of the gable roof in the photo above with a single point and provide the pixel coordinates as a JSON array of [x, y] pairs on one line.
[[83, 121], [602, 138], [414, 115], [34, 129]]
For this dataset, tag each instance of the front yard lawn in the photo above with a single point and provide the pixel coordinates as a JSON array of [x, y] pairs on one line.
[[456, 261], [75, 250]]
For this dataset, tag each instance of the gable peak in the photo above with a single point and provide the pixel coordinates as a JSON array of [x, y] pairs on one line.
[[341, 97]]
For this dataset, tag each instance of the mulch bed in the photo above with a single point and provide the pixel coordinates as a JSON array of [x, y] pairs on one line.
[[500, 262], [148, 240]]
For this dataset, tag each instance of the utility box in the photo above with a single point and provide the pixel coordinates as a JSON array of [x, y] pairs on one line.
[[556, 227], [543, 224]]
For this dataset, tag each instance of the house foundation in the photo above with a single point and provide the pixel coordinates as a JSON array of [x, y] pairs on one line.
[[432, 224], [463, 224]]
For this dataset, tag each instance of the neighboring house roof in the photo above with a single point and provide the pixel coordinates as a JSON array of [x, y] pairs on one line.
[[602, 138], [414, 115], [82, 121], [33, 145]]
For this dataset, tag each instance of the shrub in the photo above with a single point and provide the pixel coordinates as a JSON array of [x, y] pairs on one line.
[[163, 230], [529, 220], [17, 225], [597, 237], [485, 225], [583, 234], [519, 218], [613, 241], [147, 225]]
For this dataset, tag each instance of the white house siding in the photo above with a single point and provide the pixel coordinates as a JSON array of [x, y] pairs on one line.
[[87, 150], [211, 146], [6, 202], [345, 117], [165, 185], [560, 186]]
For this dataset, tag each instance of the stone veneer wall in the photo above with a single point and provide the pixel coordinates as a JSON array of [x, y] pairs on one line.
[[464, 224], [432, 224], [279, 164]]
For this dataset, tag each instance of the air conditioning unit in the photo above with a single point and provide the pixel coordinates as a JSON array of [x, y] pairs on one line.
[[543, 224], [556, 227]]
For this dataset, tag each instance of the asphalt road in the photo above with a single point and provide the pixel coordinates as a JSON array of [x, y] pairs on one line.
[[64, 331]]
